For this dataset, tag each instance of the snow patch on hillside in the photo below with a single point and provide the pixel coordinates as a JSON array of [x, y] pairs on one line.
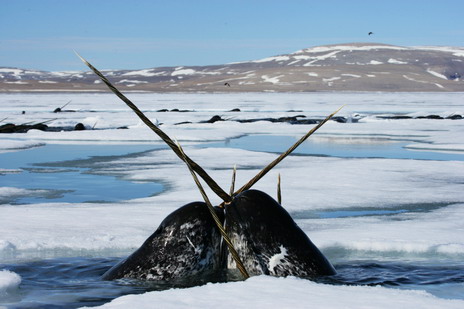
[[276, 58], [394, 61], [321, 49], [273, 80], [437, 74], [183, 72], [146, 72]]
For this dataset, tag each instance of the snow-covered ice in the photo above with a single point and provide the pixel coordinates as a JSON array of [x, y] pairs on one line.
[[269, 292], [425, 198], [9, 281]]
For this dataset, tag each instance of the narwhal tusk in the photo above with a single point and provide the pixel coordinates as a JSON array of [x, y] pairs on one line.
[[226, 238], [201, 172], [265, 170], [279, 192], [66, 103], [232, 185]]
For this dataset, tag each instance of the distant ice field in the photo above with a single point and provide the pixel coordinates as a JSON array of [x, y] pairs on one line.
[[374, 191]]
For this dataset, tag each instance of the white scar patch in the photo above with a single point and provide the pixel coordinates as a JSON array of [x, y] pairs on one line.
[[191, 243], [278, 258]]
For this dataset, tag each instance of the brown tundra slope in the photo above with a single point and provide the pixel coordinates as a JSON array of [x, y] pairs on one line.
[[344, 67]]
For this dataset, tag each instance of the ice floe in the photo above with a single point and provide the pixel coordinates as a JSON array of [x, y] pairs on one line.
[[269, 292]]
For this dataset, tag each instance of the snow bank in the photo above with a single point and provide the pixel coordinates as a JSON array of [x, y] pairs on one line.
[[270, 292]]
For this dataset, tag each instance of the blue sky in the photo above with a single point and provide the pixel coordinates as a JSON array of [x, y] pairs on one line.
[[114, 34]]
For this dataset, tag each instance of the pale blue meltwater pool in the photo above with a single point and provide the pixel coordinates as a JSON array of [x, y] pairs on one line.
[[67, 173], [339, 146]]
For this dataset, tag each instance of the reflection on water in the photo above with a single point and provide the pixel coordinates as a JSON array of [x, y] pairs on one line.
[[343, 147]]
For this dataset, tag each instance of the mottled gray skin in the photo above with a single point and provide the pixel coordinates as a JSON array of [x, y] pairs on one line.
[[184, 246], [269, 241], [187, 244]]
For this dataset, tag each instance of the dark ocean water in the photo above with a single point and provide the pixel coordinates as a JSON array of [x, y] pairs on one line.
[[76, 282]]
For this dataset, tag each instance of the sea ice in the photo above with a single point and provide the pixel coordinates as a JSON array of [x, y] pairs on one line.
[[424, 197], [270, 292]]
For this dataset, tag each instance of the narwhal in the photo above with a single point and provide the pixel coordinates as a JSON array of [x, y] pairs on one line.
[[249, 234]]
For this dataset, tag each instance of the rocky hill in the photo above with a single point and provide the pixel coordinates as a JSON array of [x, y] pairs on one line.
[[344, 67]]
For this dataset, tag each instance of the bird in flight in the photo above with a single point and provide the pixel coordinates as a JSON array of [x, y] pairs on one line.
[[370, 33], [227, 84]]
